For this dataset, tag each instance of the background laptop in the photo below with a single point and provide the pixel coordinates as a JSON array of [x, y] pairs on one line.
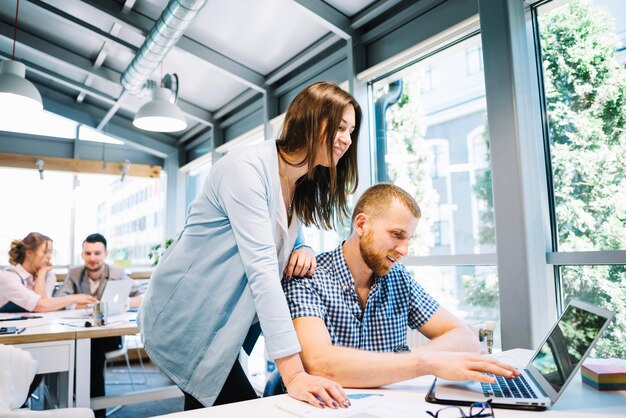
[[115, 295], [546, 376]]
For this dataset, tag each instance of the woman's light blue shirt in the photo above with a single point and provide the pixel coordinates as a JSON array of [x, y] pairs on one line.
[[221, 271]]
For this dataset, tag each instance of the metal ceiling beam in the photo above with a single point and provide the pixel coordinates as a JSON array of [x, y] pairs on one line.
[[128, 5], [203, 137], [195, 113], [372, 12], [411, 12], [124, 130], [140, 24], [236, 103], [100, 58], [119, 127], [224, 64], [81, 64], [64, 81], [242, 113], [303, 57], [63, 56], [191, 133], [166, 32], [311, 71], [328, 16], [105, 36]]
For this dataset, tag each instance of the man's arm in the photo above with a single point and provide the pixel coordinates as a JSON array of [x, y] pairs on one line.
[[68, 287], [362, 369], [448, 333]]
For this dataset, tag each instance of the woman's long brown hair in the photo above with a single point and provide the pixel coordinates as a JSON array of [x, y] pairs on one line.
[[313, 118]]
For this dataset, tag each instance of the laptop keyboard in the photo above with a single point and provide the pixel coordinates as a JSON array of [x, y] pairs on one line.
[[516, 387]]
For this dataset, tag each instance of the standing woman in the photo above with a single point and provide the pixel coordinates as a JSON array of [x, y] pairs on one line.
[[241, 235], [27, 284]]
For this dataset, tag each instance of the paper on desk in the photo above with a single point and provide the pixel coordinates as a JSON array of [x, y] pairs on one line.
[[363, 406]]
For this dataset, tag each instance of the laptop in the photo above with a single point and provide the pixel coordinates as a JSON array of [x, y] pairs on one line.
[[546, 376], [115, 295]]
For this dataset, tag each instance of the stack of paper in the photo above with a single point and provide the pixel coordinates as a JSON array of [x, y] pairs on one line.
[[604, 376]]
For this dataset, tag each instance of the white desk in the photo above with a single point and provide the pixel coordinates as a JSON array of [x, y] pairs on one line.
[[67, 348], [579, 400], [51, 344], [118, 325]]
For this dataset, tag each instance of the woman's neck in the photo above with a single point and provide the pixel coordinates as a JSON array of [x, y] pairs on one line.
[[289, 172], [28, 266]]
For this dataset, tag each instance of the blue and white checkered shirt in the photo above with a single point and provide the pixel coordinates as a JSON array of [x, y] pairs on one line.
[[395, 302]]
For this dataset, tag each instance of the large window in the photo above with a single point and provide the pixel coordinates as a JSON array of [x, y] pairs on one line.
[[585, 102], [67, 207], [435, 145]]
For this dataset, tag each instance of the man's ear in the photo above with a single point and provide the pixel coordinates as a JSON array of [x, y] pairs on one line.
[[359, 224]]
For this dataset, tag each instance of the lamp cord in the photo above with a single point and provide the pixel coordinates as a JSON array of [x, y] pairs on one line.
[[17, 12]]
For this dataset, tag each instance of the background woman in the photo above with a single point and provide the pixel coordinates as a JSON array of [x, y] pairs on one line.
[[27, 284], [242, 233]]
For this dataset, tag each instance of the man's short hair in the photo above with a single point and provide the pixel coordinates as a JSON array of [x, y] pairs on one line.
[[96, 238], [376, 200]]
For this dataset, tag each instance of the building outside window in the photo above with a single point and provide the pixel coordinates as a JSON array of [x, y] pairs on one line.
[[130, 215], [67, 207], [429, 155], [474, 59]]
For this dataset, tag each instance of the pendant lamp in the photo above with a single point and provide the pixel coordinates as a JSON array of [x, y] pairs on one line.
[[17, 95], [160, 114]]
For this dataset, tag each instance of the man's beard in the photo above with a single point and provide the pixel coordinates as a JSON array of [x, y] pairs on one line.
[[95, 269], [377, 262]]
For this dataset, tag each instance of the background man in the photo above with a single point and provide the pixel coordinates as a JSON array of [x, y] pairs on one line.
[[91, 278], [352, 316]]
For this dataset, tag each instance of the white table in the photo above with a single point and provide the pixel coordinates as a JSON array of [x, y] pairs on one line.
[[579, 400], [51, 344], [117, 326], [60, 343]]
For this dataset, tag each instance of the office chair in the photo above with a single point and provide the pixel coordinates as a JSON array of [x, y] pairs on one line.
[[274, 385], [123, 351]]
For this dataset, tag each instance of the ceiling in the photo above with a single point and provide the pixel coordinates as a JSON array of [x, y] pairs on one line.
[[231, 54]]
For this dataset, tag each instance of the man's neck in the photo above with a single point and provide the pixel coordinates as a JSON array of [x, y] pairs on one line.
[[95, 275], [363, 276]]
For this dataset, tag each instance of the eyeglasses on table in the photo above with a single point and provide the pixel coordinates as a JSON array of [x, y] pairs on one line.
[[476, 410]]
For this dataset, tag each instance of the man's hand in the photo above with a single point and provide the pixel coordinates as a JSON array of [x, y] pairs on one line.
[[465, 366], [301, 263]]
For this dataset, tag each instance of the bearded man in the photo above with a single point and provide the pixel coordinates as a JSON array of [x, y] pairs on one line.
[[353, 314], [91, 278]]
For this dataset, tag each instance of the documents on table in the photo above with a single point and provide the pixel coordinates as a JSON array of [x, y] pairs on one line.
[[364, 405]]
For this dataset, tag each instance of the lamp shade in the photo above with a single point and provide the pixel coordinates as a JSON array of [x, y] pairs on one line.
[[159, 114], [17, 95]]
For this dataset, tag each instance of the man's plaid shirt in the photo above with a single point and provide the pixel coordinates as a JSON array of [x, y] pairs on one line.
[[396, 301]]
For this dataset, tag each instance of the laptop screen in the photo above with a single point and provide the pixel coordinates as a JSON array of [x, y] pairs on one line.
[[565, 348]]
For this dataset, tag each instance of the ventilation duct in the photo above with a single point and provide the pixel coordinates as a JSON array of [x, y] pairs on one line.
[[167, 30]]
